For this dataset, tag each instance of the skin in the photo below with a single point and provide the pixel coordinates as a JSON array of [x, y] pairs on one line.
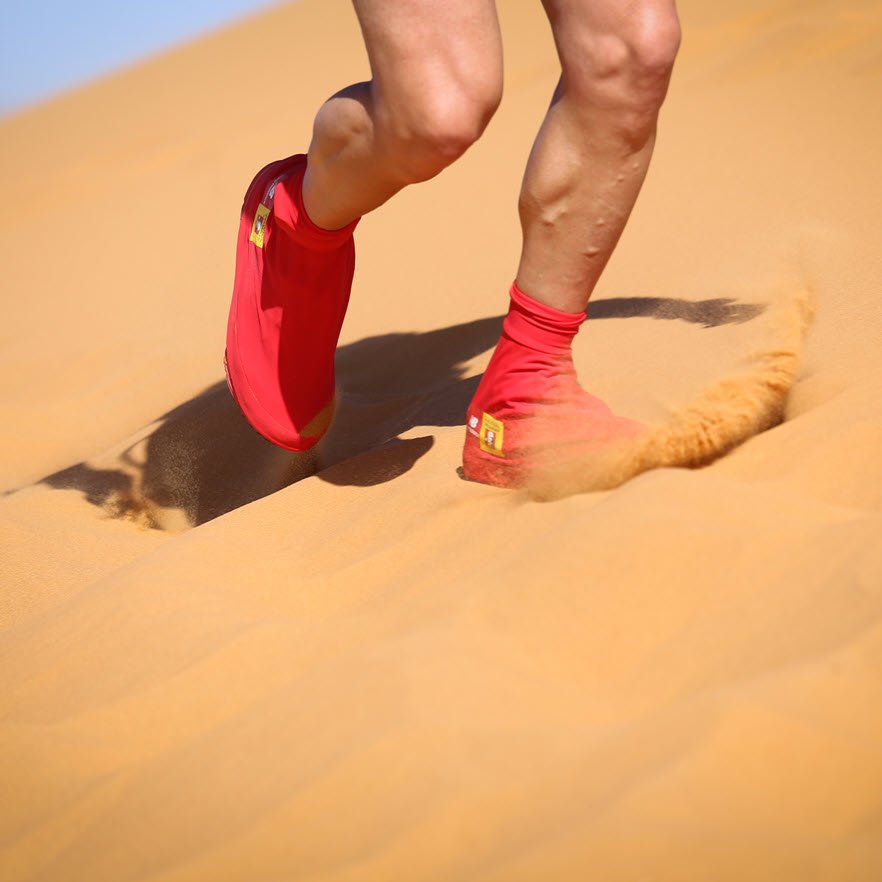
[[436, 80]]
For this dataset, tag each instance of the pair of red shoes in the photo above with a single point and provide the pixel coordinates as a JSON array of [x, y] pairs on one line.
[[290, 295]]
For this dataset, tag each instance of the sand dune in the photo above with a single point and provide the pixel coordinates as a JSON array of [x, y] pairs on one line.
[[220, 660]]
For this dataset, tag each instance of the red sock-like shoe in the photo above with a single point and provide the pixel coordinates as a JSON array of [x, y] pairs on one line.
[[529, 411], [289, 298]]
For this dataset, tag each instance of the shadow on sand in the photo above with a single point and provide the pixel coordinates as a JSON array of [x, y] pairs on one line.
[[203, 460]]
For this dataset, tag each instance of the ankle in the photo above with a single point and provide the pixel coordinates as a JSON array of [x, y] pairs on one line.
[[320, 211], [290, 209], [538, 326]]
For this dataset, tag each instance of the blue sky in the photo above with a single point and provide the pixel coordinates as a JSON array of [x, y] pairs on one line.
[[47, 46]]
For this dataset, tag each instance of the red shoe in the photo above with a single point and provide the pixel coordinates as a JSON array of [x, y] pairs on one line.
[[529, 413], [289, 298]]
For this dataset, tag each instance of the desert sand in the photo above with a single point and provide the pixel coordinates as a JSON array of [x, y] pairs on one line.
[[221, 661]]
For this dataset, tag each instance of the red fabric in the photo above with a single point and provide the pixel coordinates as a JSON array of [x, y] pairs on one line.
[[290, 295], [529, 410]]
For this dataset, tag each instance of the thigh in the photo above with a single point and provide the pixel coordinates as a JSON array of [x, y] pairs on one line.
[[417, 46]]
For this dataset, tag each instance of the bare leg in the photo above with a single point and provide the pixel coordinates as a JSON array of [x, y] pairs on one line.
[[436, 81], [529, 414], [593, 150], [436, 73]]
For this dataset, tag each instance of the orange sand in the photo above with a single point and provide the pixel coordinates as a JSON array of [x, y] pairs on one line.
[[367, 669]]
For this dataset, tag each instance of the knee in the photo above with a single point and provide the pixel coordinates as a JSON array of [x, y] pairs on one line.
[[428, 134], [625, 69], [651, 43]]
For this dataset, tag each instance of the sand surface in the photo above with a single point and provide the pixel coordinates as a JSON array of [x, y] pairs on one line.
[[220, 661]]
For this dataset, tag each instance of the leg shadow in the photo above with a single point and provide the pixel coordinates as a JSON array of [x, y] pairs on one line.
[[203, 459], [707, 313]]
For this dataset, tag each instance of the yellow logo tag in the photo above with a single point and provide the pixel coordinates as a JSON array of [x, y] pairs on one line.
[[491, 435], [259, 227]]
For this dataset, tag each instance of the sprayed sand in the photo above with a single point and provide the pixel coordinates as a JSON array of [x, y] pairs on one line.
[[222, 661], [724, 414]]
